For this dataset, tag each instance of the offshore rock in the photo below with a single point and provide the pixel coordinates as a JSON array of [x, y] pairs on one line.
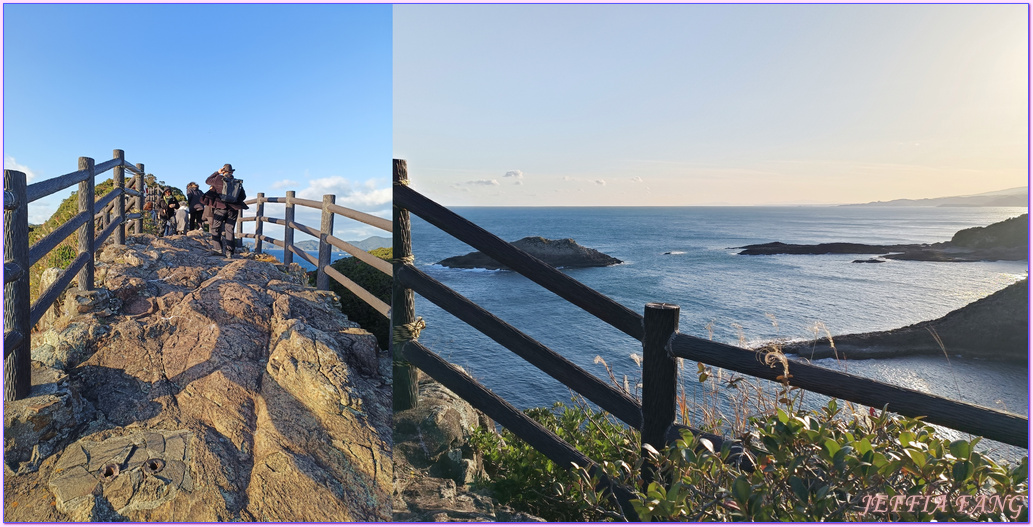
[[557, 253], [220, 390], [992, 328]]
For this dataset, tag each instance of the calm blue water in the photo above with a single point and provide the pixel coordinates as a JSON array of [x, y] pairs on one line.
[[278, 254], [723, 291]]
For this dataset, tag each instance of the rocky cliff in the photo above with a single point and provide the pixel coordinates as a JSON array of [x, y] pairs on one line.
[[192, 388], [993, 328], [557, 253]]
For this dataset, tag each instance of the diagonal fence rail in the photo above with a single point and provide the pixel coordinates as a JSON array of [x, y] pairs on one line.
[[324, 272], [108, 215], [657, 332]]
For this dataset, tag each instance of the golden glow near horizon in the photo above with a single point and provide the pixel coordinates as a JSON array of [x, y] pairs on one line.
[[710, 104]]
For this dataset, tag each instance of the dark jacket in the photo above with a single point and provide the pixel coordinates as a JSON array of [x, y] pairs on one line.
[[167, 205], [194, 199], [211, 197]]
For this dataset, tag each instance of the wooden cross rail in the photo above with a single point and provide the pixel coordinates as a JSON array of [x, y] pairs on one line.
[[19, 315], [324, 272]]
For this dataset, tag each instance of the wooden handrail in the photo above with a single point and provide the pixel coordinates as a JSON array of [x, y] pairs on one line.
[[377, 263], [379, 305], [503, 413], [534, 269], [47, 187], [1005, 427], [43, 247]]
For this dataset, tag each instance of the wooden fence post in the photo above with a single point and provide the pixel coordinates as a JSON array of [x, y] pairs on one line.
[[659, 379], [119, 177], [288, 231], [259, 211], [140, 199], [17, 359], [326, 228], [86, 232], [403, 301]]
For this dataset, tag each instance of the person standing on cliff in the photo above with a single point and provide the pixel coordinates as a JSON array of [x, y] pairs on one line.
[[226, 197], [194, 205], [167, 206]]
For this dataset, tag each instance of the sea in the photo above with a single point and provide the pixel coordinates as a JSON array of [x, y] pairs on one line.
[[687, 256]]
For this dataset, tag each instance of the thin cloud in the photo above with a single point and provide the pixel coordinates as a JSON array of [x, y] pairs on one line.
[[637, 179], [285, 184], [515, 174], [11, 164], [600, 182], [478, 183], [361, 196]]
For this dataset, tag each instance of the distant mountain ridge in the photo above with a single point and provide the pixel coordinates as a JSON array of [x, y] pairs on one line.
[[373, 242], [1012, 197]]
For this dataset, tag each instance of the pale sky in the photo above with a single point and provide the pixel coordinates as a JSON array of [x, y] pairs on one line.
[[295, 97], [710, 104]]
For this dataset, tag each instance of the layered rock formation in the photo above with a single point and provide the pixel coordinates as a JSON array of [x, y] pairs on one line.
[[557, 253], [192, 388], [1005, 240], [994, 328], [435, 465]]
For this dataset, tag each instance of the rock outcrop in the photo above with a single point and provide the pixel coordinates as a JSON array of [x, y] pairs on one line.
[[557, 253], [192, 388], [992, 328], [435, 465], [1005, 240]]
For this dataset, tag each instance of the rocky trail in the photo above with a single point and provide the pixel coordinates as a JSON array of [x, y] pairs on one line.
[[193, 388]]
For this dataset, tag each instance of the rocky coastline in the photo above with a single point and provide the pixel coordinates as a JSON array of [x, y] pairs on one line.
[[557, 253], [991, 328], [1005, 240]]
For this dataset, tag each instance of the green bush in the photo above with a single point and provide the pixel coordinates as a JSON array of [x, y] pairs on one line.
[[810, 466], [370, 279]]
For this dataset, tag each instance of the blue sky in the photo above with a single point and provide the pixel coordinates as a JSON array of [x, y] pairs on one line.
[[710, 104], [296, 97]]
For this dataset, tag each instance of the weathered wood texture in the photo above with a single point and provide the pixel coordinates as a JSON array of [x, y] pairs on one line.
[[1005, 427], [541, 439], [17, 349], [48, 297], [119, 177], [260, 201], [377, 263], [46, 244], [536, 270], [359, 291], [312, 204], [139, 185], [621, 405], [47, 187], [326, 228], [301, 254], [659, 379], [86, 232], [288, 232], [101, 168], [368, 219], [403, 302], [136, 169], [112, 228]]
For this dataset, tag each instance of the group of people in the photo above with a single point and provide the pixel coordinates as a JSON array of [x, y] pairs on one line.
[[218, 207]]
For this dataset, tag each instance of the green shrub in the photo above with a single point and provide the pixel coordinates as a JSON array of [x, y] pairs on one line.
[[810, 466], [370, 279]]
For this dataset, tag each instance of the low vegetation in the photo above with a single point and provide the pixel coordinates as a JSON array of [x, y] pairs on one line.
[[371, 280], [830, 464]]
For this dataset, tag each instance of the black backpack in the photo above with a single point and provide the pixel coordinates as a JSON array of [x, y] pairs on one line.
[[232, 190]]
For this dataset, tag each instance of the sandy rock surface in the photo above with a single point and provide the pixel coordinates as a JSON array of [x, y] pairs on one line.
[[194, 388]]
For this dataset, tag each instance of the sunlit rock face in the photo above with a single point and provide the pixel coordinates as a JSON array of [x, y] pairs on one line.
[[198, 388]]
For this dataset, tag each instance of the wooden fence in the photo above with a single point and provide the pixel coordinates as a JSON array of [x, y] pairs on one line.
[[107, 214], [324, 272], [657, 331]]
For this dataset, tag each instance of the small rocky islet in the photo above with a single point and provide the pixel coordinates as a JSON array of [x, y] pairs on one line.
[[1005, 240], [557, 253]]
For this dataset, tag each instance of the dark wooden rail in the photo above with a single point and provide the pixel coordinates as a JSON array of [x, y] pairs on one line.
[[324, 272], [657, 332], [109, 212]]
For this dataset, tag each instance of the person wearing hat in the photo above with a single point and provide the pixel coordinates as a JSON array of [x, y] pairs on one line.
[[167, 206], [194, 206], [224, 214]]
